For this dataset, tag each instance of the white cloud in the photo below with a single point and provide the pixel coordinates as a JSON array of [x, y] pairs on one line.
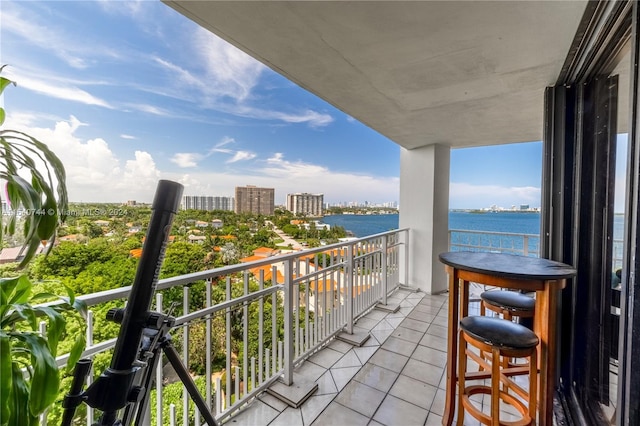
[[226, 81], [61, 90], [141, 171], [94, 172], [226, 140], [241, 156], [230, 72], [313, 118], [186, 159], [467, 195], [128, 7], [47, 31], [151, 109], [238, 155], [226, 72], [336, 187], [125, 136]]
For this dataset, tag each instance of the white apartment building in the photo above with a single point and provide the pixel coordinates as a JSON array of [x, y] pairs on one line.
[[305, 203], [204, 202]]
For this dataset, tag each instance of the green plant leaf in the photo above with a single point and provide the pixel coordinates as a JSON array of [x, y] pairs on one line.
[[76, 351], [6, 382], [49, 220], [13, 290], [55, 327], [22, 312], [81, 307], [71, 295], [11, 225], [20, 415], [22, 290], [4, 82], [32, 246], [7, 287], [44, 297], [46, 376], [20, 192], [23, 396]]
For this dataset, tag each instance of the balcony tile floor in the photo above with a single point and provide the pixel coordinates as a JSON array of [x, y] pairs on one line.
[[395, 378]]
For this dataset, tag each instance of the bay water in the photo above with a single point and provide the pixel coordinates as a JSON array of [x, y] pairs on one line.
[[511, 222], [499, 222]]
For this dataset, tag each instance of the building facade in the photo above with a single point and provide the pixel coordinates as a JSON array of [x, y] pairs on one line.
[[306, 204], [202, 202], [251, 199]]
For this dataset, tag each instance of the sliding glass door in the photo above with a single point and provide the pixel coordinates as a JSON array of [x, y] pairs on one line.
[[591, 198]]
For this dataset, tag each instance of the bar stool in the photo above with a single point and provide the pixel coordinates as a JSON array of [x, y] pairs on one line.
[[508, 303], [511, 304], [504, 339]]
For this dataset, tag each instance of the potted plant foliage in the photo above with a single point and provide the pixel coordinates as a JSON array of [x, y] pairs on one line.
[[36, 198]]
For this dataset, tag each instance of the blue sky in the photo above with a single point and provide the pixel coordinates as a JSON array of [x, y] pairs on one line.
[[127, 93]]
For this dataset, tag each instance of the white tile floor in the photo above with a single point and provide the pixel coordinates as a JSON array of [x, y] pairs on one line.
[[396, 378]]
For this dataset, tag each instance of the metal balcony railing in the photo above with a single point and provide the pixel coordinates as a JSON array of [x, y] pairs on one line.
[[513, 243], [266, 316], [501, 242]]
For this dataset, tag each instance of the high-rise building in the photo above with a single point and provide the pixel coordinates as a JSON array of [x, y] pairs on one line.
[[251, 199], [306, 204], [202, 202]]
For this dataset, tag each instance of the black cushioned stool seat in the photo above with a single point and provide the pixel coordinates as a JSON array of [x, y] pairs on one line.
[[508, 303], [502, 339]]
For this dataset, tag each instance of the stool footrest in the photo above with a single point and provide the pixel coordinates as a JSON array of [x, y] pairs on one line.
[[485, 418], [510, 372]]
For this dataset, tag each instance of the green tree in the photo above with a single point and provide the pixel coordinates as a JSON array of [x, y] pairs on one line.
[[90, 229], [69, 259], [183, 258], [263, 238]]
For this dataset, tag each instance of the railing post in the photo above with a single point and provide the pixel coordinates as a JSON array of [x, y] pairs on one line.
[[227, 385], [208, 327], [43, 333], [406, 258], [525, 248], [159, 376], [185, 355], [288, 322], [90, 375], [385, 260], [349, 271]]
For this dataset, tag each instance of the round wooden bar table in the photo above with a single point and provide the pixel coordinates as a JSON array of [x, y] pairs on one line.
[[545, 277]]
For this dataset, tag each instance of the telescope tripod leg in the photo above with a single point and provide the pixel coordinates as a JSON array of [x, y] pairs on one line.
[[187, 381]]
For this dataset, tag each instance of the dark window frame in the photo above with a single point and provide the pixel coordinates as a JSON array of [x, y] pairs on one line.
[[580, 132]]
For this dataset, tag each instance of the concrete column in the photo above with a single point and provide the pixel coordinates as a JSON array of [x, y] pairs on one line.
[[424, 207]]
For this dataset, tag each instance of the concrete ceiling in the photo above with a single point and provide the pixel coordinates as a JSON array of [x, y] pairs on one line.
[[419, 72]]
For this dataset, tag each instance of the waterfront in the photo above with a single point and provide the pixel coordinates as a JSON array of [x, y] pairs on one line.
[[496, 222], [363, 225], [510, 222]]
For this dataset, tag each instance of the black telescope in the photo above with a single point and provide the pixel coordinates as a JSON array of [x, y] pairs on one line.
[[123, 388], [115, 389], [165, 206]]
